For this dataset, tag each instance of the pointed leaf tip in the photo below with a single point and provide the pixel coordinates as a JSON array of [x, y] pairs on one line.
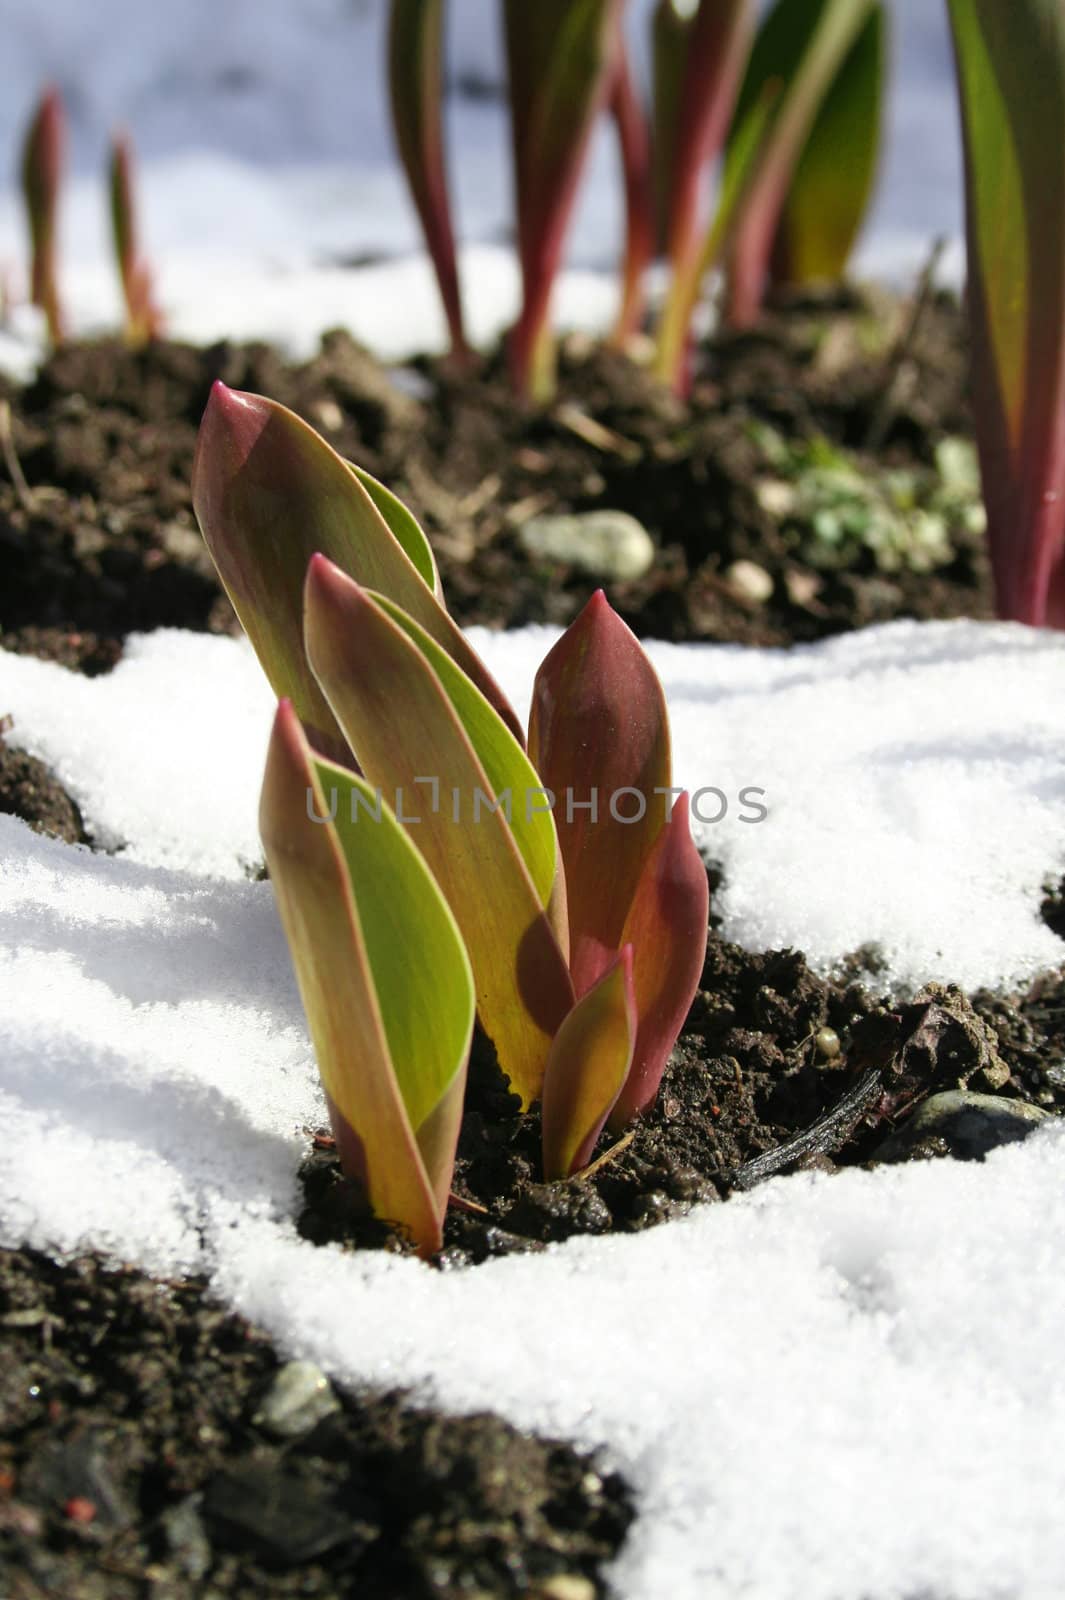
[[232, 421], [599, 738], [269, 492]]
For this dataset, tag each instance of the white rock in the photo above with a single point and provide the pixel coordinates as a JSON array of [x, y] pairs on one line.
[[608, 544]]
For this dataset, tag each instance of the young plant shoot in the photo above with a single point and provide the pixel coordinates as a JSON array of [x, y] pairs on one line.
[[634, 143], [805, 48], [1011, 75], [560, 57], [43, 157], [830, 191], [415, 78], [577, 893], [143, 319], [798, 58], [384, 977], [699, 55]]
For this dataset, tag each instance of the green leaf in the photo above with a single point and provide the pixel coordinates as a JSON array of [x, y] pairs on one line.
[[589, 1062], [404, 526], [411, 741], [384, 977], [268, 493], [1011, 74], [507, 767], [830, 191]]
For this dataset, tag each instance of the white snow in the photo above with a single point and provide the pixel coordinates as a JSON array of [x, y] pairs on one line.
[[901, 1330], [913, 775], [268, 168]]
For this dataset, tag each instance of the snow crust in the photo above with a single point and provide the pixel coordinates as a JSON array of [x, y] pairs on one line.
[[913, 778], [826, 1388]]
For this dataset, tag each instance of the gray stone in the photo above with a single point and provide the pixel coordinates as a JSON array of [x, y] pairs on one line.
[[297, 1400], [960, 1124], [607, 544]]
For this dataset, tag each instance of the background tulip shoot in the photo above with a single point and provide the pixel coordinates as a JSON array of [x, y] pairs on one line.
[[825, 55], [699, 57], [1011, 75], [802, 144], [810, 91], [143, 319], [43, 160], [560, 56], [585, 931], [415, 77], [634, 144]]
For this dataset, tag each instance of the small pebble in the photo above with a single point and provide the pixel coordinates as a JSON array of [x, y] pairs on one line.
[[748, 581], [329, 416], [299, 1397], [567, 1587], [827, 1042], [606, 544]]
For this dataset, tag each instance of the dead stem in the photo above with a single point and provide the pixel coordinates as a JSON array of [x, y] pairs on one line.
[[11, 460], [899, 367], [607, 1155]]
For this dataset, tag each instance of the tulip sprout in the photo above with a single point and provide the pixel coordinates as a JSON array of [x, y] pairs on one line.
[[553, 886]]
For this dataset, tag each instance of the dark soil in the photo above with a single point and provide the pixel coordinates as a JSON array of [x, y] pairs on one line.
[[131, 1464], [105, 542], [777, 1070], [28, 790]]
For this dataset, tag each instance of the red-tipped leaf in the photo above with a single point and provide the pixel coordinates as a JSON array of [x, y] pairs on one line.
[[599, 738], [589, 1062], [384, 977], [268, 493], [699, 62], [667, 928]]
